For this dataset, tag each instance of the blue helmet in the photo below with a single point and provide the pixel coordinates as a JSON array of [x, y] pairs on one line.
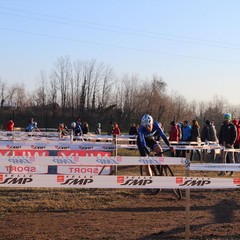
[[227, 116]]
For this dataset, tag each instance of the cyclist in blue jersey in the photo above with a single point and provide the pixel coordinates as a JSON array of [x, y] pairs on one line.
[[146, 138]]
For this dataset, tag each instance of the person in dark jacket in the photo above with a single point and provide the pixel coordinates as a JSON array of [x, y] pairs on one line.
[[133, 131], [195, 137], [227, 138], [209, 134]]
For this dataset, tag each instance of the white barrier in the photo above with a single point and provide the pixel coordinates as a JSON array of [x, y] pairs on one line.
[[48, 136], [97, 160], [81, 181], [90, 181], [215, 167], [69, 169], [56, 145]]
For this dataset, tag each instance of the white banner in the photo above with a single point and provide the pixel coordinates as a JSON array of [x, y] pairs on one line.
[[96, 160], [203, 147], [82, 181], [215, 167], [56, 145]]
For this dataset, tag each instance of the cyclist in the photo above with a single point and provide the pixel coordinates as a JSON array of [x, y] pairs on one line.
[[32, 127], [146, 138]]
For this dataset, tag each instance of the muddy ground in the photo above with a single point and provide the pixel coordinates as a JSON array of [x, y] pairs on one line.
[[27, 214]]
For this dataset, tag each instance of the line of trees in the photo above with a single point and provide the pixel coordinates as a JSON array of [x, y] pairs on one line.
[[91, 91]]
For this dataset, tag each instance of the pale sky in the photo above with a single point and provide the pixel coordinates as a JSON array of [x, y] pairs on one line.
[[194, 45]]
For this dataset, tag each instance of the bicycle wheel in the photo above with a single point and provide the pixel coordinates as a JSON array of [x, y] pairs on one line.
[[143, 172], [154, 170], [167, 171]]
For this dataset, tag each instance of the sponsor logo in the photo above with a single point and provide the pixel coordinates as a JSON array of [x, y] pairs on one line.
[[17, 160], [20, 169], [26, 153], [85, 147], [193, 181], [39, 146], [135, 181], [72, 180], [83, 170], [14, 145], [151, 160], [15, 179], [236, 181], [120, 179], [108, 160], [179, 180], [71, 153], [60, 179], [62, 146], [109, 147], [72, 160]]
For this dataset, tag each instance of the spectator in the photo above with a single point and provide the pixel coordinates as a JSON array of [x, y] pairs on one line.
[[186, 134], [174, 132], [195, 137], [174, 135], [227, 138], [237, 142], [10, 125], [209, 134], [180, 126], [186, 131], [85, 128], [62, 129], [133, 131], [116, 130], [110, 129], [98, 129]]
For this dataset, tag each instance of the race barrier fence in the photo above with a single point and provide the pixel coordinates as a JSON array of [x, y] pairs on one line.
[[70, 175], [141, 182]]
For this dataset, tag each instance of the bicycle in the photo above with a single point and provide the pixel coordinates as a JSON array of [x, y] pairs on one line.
[[161, 170]]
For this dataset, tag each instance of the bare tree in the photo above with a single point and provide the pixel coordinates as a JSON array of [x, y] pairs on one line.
[[105, 96], [3, 88], [41, 92], [53, 90], [63, 74], [20, 97], [215, 110], [76, 84], [88, 69]]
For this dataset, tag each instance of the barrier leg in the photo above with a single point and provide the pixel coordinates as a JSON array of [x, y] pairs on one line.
[[115, 153], [187, 204], [187, 209]]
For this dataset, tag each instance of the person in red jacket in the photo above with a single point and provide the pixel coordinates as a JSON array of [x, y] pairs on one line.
[[10, 125], [116, 130], [237, 142], [174, 132]]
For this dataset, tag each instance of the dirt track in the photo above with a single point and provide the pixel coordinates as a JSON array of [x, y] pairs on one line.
[[119, 214]]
